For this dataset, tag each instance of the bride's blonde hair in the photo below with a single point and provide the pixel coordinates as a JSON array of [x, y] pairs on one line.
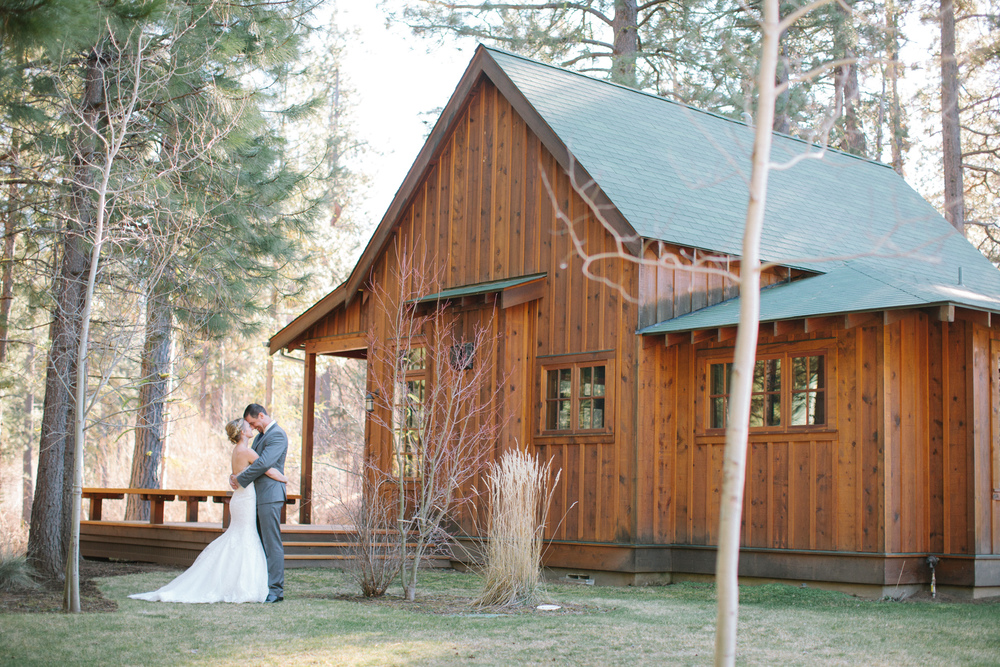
[[234, 430]]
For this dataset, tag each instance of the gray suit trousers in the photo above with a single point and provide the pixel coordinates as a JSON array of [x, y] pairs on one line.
[[269, 528]]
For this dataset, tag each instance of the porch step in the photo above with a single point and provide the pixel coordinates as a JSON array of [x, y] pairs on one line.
[[341, 560]]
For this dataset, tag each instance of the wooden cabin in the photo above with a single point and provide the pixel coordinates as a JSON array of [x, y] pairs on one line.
[[875, 435]]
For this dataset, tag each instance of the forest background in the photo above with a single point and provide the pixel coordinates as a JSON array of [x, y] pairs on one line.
[[207, 260]]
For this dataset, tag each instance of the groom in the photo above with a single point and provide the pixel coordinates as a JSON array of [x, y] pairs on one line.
[[271, 446]]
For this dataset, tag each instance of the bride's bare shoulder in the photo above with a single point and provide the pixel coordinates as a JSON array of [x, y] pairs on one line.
[[242, 457]]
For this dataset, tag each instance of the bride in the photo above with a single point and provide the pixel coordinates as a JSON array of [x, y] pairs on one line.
[[232, 568]]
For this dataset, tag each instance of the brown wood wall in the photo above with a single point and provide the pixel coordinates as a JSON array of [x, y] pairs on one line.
[[482, 213], [893, 471], [903, 464]]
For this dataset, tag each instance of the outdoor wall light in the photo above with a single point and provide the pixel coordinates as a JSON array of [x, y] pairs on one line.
[[370, 400]]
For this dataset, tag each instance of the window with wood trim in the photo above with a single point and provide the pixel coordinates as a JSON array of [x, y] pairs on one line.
[[778, 398], [408, 412], [576, 397]]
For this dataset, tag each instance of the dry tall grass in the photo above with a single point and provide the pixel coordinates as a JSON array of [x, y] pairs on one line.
[[520, 496]]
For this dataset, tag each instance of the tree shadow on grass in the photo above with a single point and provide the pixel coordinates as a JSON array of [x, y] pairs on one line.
[[48, 597]]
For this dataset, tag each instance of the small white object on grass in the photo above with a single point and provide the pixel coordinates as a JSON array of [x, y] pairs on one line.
[[548, 607]]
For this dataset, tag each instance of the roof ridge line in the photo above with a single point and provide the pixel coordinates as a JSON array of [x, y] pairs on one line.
[[683, 105]]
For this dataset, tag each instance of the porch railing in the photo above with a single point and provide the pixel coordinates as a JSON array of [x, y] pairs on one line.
[[159, 497]]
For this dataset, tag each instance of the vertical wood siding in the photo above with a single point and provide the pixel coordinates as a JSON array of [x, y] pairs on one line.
[[903, 464], [896, 470]]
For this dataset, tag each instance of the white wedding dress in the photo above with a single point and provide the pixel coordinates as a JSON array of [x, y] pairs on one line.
[[230, 569]]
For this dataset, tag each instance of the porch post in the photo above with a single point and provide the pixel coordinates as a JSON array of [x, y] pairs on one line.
[[308, 421]]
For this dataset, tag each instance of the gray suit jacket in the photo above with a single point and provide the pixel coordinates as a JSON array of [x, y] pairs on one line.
[[271, 448]]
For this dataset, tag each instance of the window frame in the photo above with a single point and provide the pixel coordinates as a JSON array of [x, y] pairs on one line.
[[785, 355], [409, 375], [576, 362]]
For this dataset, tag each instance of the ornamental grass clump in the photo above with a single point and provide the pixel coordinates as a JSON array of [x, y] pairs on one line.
[[520, 495], [15, 572]]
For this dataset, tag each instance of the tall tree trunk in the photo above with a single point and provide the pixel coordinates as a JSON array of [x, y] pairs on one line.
[[782, 117], [7, 289], [954, 201], [626, 45], [150, 424], [29, 428], [7, 264], [738, 417], [893, 68], [846, 83], [48, 537]]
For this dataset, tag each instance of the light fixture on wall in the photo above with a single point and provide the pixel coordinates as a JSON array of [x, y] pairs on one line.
[[370, 400]]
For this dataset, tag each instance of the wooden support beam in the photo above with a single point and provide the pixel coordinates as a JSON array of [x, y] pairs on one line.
[[852, 320], [890, 317], [523, 293], [308, 426], [814, 324], [191, 515], [703, 335], [787, 327], [651, 341], [677, 337], [766, 329], [337, 344], [726, 333], [973, 316], [946, 313]]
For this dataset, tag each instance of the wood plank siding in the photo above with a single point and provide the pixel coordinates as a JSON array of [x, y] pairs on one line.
[[894, 469], [905, 461]]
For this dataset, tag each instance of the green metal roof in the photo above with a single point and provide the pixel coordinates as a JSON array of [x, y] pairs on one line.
[[681, 175], [480, 288]]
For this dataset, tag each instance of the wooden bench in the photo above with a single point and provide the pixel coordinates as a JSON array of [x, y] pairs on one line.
[[159, 497]]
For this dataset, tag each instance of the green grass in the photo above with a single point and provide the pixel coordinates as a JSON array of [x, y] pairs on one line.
[[317, 625]]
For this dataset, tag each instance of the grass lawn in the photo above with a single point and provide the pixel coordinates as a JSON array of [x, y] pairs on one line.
[[321, 623]]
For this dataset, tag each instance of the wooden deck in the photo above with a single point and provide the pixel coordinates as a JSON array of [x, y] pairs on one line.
[[180, 543]]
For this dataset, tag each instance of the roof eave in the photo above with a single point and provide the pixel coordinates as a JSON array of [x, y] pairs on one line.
[[300, 324]]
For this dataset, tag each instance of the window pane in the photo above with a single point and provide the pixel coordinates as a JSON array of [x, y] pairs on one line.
[[551, 415], [565, 383], [585, 414], [817, 408], [773, 410], [773, 380], [718, 412], [800, 372], [816, 374], [598, 413], [552, 384], [415, 359], [758, 376], [598, 380], [586, 381], [757, 411], [564, 415], [800, 411], [415, 391], [718, 381]]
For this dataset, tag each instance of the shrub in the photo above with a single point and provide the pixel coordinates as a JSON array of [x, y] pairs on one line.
[[376, 552], [520, 496]]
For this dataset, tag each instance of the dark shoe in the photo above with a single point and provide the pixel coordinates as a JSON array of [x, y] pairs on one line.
[[271, 599]]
